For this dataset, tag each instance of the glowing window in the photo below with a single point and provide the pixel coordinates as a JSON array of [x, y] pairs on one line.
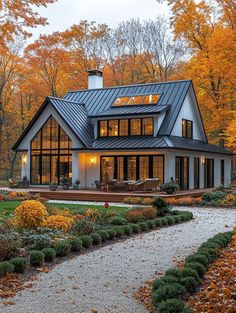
[[136, 100]]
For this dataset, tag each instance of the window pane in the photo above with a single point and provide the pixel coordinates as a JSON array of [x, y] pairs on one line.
[[54, 134], [158, 167], [135, 126], [124, 128], [132, 168], [120, 168], [189, 129], [107, 169], [113, 127], [143, 167], [196, 173], [64, 140], [46, 135], [36, 142], [35, 175], [137, 100], [184, 128], [45, 169], [147, 126], [54, 169], [103, 128]]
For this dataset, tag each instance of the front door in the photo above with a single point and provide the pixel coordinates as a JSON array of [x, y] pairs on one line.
[[209, 173]]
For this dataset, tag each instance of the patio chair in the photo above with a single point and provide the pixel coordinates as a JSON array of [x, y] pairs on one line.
[[14, 183], [147, 184]]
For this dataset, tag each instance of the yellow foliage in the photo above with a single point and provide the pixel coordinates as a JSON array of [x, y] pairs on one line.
[[58, 222], [229, 199], [65, 212], [93, 214], [30, 214]]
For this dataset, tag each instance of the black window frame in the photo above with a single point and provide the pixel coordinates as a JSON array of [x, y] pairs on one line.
[[185, 133], [222, 172], [129, 127], [196, 173], [209, 173], [180, 180], [125, 165]]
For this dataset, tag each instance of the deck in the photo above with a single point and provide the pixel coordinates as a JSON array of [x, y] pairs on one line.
[[101, 196]]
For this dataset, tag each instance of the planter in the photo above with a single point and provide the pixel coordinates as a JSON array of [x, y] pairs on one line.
[[65, 187], [170, 191]]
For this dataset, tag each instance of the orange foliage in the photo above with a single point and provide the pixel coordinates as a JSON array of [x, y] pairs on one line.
[[58, 222]]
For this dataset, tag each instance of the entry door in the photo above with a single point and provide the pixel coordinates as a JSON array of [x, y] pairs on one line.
[[209, 173], [182, 172], [222, 172]]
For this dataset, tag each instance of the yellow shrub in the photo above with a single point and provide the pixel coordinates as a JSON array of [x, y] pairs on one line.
[[56, 211], [93, 214], [58, 222], [147, 201], [229, 199], [30, 214]]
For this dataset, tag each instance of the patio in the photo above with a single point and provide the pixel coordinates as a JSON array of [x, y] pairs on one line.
[[100, 196]]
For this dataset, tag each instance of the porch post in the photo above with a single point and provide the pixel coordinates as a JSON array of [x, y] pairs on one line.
[[75, 166]]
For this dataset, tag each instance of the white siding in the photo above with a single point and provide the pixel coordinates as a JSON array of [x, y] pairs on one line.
[[189, 112]]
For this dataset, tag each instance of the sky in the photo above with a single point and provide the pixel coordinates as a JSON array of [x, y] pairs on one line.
[[64, 13]]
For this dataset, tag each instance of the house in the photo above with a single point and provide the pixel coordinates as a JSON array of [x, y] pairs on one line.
[[125, 133]]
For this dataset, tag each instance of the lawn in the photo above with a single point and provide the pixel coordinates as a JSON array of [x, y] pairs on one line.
[[9, 206]]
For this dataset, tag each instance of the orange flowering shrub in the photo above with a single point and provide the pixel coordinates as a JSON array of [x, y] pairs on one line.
[[197, 200], [133, 200], [1, 197], [134, 216], [13, 194], [55, 211], [58, 222], [181, 201], [229, 200], [30, 214], [93, 214], [147, 201], [149, 213]]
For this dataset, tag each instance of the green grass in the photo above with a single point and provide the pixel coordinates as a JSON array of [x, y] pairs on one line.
[[9, 206]]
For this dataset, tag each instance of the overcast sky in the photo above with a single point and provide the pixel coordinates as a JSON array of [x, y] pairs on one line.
[[64, 13]]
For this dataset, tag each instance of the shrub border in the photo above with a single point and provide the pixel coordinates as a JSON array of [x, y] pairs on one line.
[[195, 267], [117, 232]]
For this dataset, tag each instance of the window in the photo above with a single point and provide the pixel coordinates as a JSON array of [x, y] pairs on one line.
[[132, 167], [222, 172], [196, 172], [137, 100], [113, 128], [182, 172], [124, 128], [135, 126], [147, 126], [187, 129], [51, 155], [103, 128], [209, 173]]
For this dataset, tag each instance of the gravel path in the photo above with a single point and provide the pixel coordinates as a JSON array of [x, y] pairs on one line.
[[104, 280]]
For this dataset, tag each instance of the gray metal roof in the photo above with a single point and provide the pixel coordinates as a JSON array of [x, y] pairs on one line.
[[133, 110], [160, 142], [172, 93], [75, 116]]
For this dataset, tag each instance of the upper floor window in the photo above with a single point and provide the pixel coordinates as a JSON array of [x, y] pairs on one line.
[[187, 128], [136, 100], [126, 127]]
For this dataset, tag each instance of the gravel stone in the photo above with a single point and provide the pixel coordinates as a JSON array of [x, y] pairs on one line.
[[104, 281]]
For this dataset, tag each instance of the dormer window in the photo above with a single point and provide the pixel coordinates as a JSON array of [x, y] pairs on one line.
[[136, 100], [126, 127], [187, 128]]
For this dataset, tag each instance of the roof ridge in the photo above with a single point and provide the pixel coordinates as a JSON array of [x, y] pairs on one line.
[[131, 85], [62, 99]]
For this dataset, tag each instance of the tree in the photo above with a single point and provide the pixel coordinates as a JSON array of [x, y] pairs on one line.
[[16, 16]]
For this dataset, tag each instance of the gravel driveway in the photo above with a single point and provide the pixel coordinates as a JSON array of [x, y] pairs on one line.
[[104, 280]]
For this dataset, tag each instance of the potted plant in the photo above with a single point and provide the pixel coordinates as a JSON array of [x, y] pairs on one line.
[[65, 182], [53, 186], [25, 182], [76, 184], [170, 187]]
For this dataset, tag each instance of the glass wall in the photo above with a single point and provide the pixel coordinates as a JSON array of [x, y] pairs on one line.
[[51, 154], [123, 168], [182, 172], [209, 173]]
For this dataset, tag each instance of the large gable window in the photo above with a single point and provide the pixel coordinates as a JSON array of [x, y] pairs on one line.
[[187, 128], [136, 100], [51, 154]]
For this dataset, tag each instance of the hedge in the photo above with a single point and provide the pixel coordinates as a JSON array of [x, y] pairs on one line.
[[169, 290]]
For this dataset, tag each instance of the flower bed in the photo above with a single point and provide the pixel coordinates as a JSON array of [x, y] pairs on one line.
[[169, 291], [36, 234]]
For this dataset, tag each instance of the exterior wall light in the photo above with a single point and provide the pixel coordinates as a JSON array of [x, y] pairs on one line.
[[202, 160], [93, 160], [24, 159]]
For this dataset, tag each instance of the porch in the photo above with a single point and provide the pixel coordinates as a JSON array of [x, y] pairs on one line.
[[101, 196]]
